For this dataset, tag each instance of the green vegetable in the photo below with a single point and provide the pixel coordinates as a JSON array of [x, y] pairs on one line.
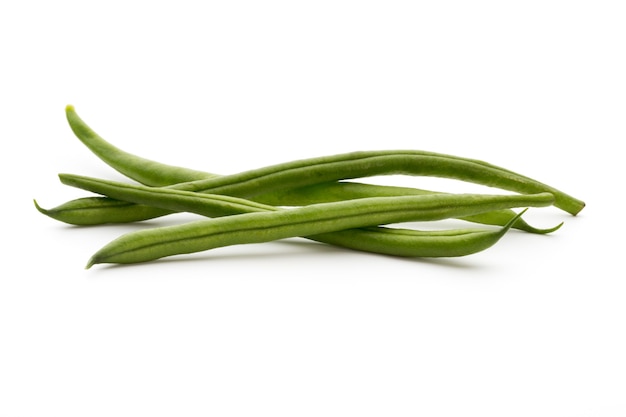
[[331, 210], [306, 221]]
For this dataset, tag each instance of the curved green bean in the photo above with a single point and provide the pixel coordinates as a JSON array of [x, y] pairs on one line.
[[98, 210], [372, 163], [144, 170], [307, 221], [149, 172]]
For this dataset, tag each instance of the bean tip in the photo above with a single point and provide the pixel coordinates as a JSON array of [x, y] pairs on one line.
[[514, 220], [69, 108], [534, 230], [553, 229], [39, 208], [543, 231], [90, 263], [580, 207]]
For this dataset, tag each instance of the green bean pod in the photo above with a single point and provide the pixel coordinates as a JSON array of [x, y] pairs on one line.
[[372, 163], [307, 221], [313, 171]]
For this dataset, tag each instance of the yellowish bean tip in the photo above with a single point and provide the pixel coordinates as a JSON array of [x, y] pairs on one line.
[[69, 108], [579, 209]]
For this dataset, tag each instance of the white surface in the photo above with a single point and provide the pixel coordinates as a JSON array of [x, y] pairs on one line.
[[533, 326]]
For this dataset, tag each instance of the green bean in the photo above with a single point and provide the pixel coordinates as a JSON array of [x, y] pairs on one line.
[[371, 163], [310, 220], [400, 242], [143, 171]]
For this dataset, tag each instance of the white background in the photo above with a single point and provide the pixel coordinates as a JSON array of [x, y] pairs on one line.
[[531, 327]]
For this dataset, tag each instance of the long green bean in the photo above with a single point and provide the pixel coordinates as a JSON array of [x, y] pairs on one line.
[[337, 167], [372, 163], [153, 173], [302, 221]]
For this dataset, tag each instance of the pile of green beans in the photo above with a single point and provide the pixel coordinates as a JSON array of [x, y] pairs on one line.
[[311, 198]]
